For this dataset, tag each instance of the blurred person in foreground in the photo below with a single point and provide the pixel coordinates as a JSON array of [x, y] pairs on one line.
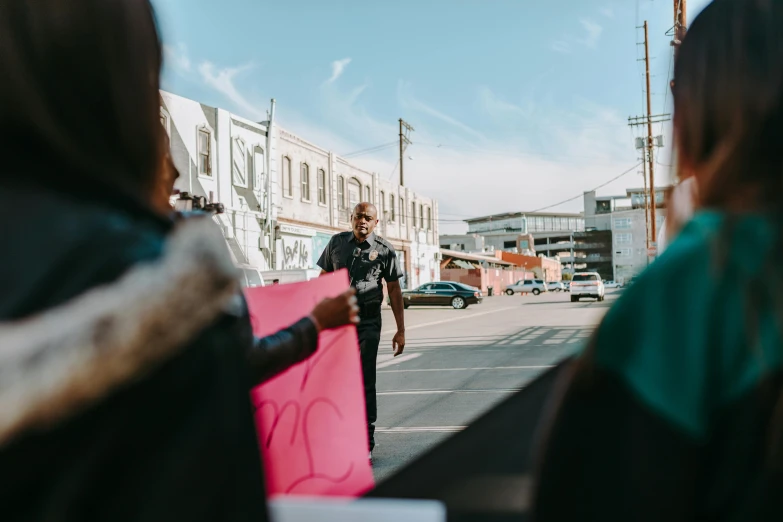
[[674, 411], [126, 351]]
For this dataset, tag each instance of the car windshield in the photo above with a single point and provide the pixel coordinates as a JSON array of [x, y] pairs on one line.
[[253, 279], [585, 277]]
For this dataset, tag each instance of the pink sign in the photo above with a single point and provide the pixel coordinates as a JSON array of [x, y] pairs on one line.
[[311, 420]]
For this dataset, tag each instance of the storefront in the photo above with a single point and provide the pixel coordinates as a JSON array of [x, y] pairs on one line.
[[295, 247]]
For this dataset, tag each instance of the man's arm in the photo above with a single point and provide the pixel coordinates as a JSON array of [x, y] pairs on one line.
[[395, 296]]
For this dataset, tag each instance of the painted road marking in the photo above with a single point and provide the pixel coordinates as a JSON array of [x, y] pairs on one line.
[[469, 369], [422, 429], [397, 360], [446, 392], [461, 318]]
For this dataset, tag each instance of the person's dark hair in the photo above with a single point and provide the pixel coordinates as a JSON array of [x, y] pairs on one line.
[[80, 93], [728, 98]]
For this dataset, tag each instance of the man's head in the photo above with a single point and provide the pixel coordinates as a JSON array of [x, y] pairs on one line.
[[364, 220]]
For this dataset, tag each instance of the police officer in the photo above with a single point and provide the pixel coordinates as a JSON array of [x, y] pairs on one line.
[[368, 259]]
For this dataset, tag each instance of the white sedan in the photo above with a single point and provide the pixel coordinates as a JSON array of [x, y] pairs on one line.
[[612, 284], [555, 286]]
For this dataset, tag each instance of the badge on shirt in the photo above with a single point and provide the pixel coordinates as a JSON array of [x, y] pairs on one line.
[[373, 255]]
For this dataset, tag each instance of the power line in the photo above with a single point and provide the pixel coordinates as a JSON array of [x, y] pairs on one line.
[[369, 150], [602, 185]]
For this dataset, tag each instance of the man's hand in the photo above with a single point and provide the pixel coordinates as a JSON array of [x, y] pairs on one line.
[[395, 296], [398, 342]]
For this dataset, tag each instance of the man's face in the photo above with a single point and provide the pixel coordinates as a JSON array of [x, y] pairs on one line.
[[364, 219]]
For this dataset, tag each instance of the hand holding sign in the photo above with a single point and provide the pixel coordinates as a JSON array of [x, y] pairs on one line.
[[311, 419]]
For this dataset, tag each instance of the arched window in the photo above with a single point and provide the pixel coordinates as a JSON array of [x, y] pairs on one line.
[[322, 186], [429, 218], [368, 194], [382, 210], [341, 192], [305, 175], [413, 214], [354, 193], [204, 152], [392, 208]]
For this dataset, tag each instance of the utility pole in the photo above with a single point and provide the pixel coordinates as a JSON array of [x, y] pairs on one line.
[[680, 15], [649, 133], [405, 131], [648, 120]]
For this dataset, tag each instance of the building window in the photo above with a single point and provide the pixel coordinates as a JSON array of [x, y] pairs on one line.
[[354, 193], [539, 224], [624, 239], [165, 120], [393, 210], [402, 211], [624, 252], [509, 244], [239, 163], [368, 194], [382, 199], [322, 186], [204, 152], [429, 218], [288, 182], [258, 169], [341, 192], [305, 174], [413, 213], [622, 223], [421, 216]]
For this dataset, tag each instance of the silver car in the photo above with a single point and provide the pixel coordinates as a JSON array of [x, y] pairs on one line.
[[527, 286]]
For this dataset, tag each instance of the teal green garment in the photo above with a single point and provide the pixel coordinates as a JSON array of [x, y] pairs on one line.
[[682, 338]]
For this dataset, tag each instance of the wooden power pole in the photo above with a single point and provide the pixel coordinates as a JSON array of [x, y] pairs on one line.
[[649, 145], [680, 15], [651, 162], [405, 131]]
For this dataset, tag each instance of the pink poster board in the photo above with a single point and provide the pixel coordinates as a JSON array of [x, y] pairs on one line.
[[311, 420]]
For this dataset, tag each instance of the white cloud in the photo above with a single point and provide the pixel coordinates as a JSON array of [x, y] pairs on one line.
[[338, 67], [607, 12], [408, 100], [593, 30], [561, 46], [222, 80], [177, 57]]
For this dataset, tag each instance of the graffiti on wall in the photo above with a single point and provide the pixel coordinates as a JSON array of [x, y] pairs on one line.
[[296, 253]]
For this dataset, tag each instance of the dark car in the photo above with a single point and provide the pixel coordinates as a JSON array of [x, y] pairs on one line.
[[456, 295]]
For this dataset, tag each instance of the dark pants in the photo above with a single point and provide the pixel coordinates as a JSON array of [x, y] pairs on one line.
[[369, 331]]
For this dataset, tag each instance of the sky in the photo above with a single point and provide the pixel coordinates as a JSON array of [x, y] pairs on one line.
[[517, 105]]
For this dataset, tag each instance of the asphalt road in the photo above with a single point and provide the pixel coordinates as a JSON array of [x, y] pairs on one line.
[[459, 363]]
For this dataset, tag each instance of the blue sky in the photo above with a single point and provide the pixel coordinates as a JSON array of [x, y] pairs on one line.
[[517, 105]]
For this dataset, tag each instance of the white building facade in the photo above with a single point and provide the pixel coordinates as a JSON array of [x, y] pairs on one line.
[[285, 196]]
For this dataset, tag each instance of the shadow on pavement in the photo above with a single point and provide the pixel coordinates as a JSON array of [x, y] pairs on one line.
[[482, 472]]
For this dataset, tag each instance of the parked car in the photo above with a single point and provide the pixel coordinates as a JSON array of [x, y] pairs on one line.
[[527, 286], [612, 284], [554, 286], [250, 276], [449, 293], [587, 284]]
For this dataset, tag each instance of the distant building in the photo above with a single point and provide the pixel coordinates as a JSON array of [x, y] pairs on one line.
[[462, 242], [623, 221]]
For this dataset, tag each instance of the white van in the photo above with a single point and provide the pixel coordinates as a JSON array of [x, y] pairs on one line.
[[289, 276], [250, 277]]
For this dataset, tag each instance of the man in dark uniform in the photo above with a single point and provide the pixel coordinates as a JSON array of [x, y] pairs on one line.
[[368, 259]]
